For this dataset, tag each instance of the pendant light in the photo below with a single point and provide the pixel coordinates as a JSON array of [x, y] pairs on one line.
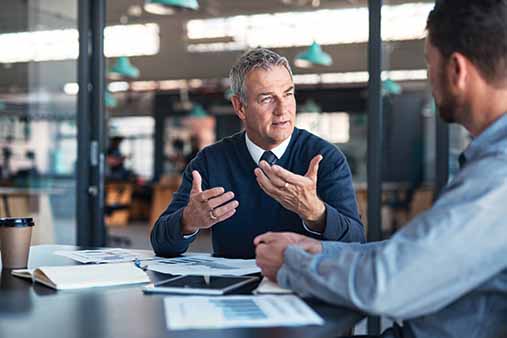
[[310, 106], [198, 111], [123, 68], [168, 7], [389, 87], [109, 100], [314, 55]]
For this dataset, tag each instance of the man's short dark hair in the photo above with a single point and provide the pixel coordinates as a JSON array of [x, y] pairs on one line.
[[475, 28]]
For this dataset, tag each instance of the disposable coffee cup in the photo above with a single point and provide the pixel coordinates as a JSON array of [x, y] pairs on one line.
[[15, 236]]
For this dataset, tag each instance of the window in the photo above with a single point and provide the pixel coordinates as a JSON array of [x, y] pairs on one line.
[[333, 127]]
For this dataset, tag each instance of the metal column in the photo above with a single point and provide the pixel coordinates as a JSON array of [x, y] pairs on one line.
[[91, 124], [375, 137]]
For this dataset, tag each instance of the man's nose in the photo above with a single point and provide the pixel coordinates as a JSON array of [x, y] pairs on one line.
[[281, 107]]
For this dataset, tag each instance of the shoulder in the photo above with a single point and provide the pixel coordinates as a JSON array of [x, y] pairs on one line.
[[224, 146]]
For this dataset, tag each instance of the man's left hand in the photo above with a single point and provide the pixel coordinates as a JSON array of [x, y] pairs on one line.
[[295, 192]]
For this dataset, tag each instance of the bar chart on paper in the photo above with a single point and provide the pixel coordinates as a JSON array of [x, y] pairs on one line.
[[237, 311]]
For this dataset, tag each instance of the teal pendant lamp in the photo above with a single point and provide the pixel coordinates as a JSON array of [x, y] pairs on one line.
[[314, 55], [310, 106], [123, 68], [198, 111], [389, 87], [167, 7], [109, 100]]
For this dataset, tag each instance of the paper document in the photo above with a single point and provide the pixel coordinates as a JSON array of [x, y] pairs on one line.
[[267, 286], [201, 312], [107, 255], [204, 265]]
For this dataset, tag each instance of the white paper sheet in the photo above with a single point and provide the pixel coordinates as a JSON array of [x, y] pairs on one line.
[[107, 255], [204, 265], [201, 312], [268, 287]]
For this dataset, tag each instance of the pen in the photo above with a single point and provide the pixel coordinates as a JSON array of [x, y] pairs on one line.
[[138, 264]]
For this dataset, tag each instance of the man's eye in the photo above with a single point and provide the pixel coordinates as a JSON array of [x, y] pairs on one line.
[[289, 93], [267, 99]]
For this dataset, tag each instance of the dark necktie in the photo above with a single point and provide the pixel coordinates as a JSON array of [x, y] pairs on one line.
[[462, 160], [269, 157]]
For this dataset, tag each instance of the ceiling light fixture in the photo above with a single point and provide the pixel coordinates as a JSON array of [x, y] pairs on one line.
[[109, 100], [123, 68], [198, 111], [167, 7], [314, 55]]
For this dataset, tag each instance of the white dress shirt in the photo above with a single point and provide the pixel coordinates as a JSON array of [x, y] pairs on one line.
[[256, 151]]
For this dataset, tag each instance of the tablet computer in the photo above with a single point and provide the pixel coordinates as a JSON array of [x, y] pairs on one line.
[[200, 285]]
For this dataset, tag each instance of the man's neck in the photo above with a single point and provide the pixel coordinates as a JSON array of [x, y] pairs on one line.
[[489, 107]]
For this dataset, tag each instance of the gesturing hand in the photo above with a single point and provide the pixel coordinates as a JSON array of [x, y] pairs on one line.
[[295, 192], [206, 208]]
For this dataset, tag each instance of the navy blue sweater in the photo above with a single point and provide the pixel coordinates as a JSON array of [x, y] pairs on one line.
[[228, 164]]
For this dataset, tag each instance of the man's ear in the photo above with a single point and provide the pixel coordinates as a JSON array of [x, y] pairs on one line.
[[458, 71], [239, 107]]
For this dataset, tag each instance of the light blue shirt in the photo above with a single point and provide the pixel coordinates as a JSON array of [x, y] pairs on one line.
[[444, 274]]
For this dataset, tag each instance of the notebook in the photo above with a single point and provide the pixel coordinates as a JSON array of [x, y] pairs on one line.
[[84, 276]]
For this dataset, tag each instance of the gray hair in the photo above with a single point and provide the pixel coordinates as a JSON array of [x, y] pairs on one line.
[[253, 59]]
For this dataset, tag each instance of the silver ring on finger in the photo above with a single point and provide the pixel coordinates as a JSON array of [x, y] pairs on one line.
[[286, 185]]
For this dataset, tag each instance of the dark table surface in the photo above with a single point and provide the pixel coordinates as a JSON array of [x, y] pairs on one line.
[[33, 310]]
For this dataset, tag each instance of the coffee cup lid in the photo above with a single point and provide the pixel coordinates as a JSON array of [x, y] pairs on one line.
[[14, 222]]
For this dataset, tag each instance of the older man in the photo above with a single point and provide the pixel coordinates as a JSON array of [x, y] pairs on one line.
[[445, 273], [225, 189]]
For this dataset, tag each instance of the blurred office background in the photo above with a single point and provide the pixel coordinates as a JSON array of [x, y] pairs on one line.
[[166, 96]]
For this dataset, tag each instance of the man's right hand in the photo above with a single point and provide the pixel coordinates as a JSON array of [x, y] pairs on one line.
[[206, 208]]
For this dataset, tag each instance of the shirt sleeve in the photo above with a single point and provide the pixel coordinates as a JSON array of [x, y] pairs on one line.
[[166, 237], [438, 257], [335, 189]]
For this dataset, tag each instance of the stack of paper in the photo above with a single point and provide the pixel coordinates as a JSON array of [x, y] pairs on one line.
[[112, 255], [204, 265], [268, 287]]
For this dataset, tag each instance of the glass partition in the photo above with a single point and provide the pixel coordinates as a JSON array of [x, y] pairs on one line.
[[38, 51]]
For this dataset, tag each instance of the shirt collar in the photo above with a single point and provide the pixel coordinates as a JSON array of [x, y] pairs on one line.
[[256, 151], [491, 135]]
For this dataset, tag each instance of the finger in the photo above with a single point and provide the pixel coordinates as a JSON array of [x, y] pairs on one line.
[[219, 212], [217, 201], [267, 238], [226, 216], [260, 238], [313, 168], [196, 182], [271, 175], [210, 193], [264, 183], [260, 255], [288, 176]]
